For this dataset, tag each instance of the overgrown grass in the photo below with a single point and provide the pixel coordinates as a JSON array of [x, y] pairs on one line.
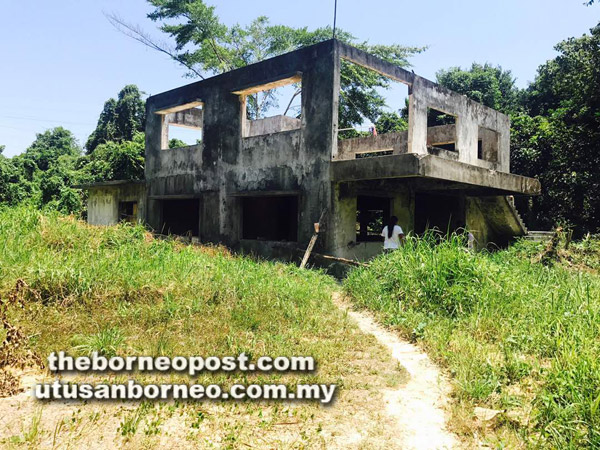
[[516, 335], [117, 290]]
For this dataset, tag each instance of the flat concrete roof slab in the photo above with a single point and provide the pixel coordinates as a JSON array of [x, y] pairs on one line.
[[411, 165]]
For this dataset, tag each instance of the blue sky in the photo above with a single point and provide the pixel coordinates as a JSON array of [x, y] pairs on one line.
[[62, 59]]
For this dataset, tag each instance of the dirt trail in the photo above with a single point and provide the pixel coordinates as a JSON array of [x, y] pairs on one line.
[[418, 406]]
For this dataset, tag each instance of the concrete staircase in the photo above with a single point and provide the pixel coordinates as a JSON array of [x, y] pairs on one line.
[[511, 202], [531, 235], [506, 222]]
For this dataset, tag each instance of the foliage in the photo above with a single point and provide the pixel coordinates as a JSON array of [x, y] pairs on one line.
[[563, 138], [118, 160], [45, 173], [518, 336], [206, 46], [176, 143], [13, 188], [486, 84], [391, 122], [120, 119]]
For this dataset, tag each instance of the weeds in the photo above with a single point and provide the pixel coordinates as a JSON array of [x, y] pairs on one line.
[[116, 290], [515, 334], [107, 342]]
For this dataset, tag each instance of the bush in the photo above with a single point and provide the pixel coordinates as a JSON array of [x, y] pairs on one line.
[[516, 335]]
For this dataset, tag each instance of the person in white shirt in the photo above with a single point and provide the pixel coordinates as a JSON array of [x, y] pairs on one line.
[[392, 234]]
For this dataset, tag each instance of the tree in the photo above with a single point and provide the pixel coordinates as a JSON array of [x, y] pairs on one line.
[[205, 47], [489, 85], [117, 160], [391, 122], [45, 172], [566, 92], [120, 119], [13, 189]]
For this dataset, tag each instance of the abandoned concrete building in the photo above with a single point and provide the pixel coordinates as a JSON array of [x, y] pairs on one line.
[[260, 185]]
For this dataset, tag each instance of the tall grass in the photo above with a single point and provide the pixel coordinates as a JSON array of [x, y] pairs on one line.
[[119, 291], [516, 335]]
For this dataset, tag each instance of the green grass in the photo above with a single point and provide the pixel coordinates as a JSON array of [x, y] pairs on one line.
[[117, 290], [515, 335]]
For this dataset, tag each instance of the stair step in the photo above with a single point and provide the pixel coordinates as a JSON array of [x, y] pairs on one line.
[[539, 236]]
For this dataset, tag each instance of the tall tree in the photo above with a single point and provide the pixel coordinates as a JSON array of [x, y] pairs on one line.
[[205, 46], [120, 119], [46, 171], [566, 93]]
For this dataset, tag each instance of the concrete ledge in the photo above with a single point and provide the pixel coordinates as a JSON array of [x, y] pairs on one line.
[[411, 165], [101, 184]]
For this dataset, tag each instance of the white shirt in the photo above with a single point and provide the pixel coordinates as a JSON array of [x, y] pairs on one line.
[[394, 241]]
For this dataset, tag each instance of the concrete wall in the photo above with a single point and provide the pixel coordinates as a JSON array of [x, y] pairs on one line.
[[228, 164], [470, 117], [270, 125], [103, 202], [344, 242]]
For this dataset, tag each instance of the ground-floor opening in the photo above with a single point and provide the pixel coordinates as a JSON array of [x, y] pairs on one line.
[[371, 215], [270, 218], [128, 212], [441, 211], [181, 217]]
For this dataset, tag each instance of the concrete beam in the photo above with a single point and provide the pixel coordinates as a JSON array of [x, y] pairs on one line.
[[429, 166], [188, 118], [268, 84], [374, 63], [178, 107]]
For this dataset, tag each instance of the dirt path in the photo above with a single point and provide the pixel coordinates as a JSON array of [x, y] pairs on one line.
[[418, 406]]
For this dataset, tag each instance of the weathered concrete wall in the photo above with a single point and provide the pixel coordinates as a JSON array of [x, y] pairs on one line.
[[344, 240], [492, 219], [348, 148], [228, 163], [269, 125], [477, 224], [102, 206], [103, 202], [470, 116], [397, 142]]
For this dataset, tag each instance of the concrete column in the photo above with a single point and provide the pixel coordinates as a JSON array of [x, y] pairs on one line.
[[417, 120]]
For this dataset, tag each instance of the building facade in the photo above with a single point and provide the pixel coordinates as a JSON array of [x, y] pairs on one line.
[[260, 185]]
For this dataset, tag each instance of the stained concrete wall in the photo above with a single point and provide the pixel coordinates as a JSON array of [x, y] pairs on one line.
[[270, 125], [470, 116], [344, 240], [227, 163], [237, 158], [103, 202]]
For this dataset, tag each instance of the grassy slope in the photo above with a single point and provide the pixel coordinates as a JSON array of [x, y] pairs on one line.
[[516, 335], [120, 291]]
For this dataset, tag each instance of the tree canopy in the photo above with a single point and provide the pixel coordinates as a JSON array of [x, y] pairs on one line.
[[120, 119], [555, 133], [489, 85], [44, 173], [205, 46]]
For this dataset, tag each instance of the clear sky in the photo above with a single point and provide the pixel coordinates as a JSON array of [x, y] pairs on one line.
[[61, 60]]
